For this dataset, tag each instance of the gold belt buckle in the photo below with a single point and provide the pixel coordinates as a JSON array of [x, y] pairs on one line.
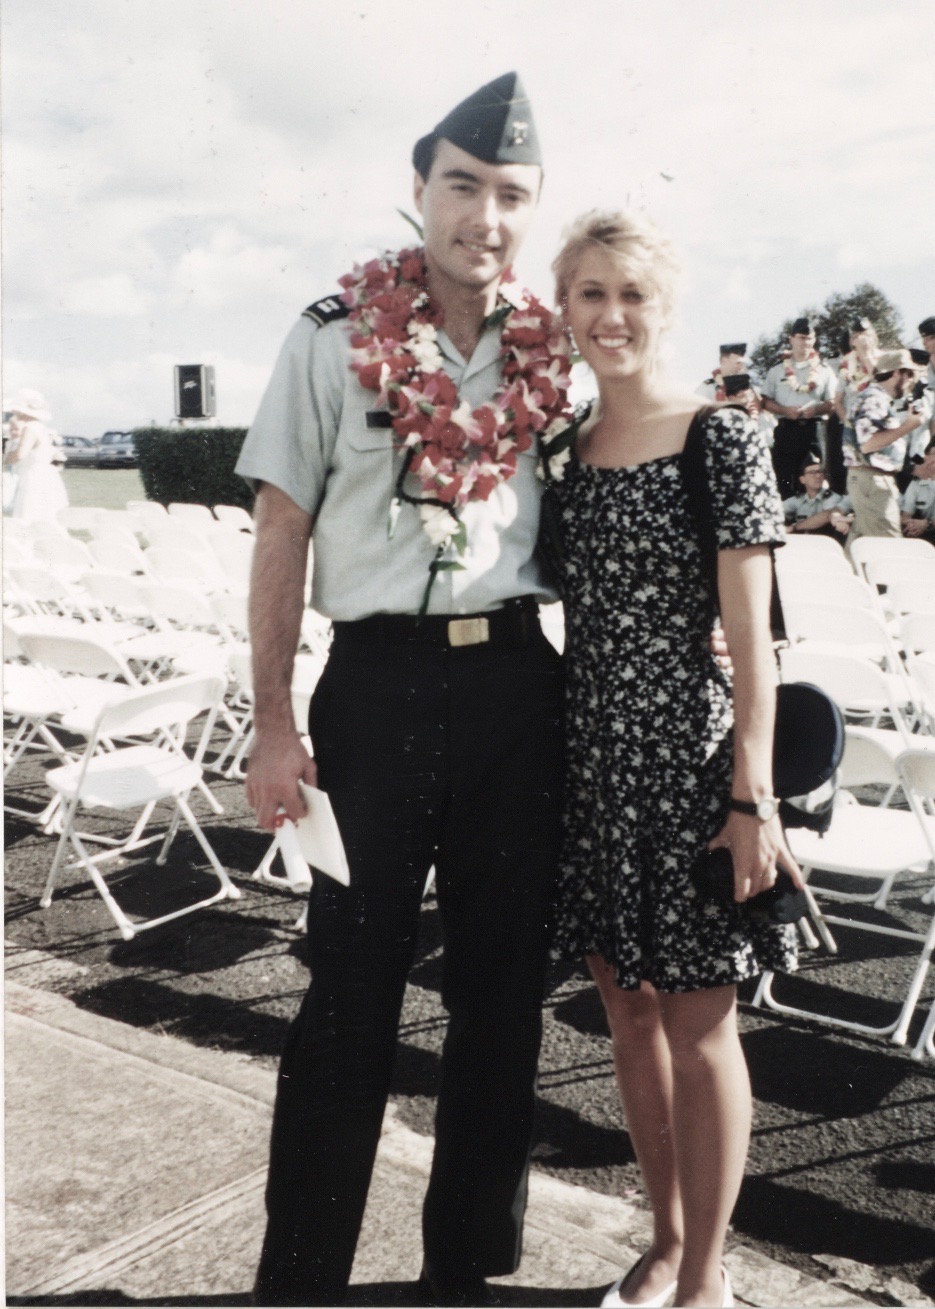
[[468, 631]]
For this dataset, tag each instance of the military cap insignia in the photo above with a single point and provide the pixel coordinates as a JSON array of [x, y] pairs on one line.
[[518, 133], [326, 310]]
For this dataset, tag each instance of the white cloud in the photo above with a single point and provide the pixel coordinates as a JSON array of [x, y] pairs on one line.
[[181, 178]]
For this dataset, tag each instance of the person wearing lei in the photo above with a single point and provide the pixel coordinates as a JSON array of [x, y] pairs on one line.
[[400, 432], [800, 391]]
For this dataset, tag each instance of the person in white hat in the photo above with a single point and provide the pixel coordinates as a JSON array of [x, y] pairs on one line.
[[40, 489]]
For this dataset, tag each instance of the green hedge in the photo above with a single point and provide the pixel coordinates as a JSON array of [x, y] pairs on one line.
[[194, 465]]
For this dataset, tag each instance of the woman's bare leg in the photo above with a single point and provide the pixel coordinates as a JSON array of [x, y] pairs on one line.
[[711, 1113], [644, 1077]]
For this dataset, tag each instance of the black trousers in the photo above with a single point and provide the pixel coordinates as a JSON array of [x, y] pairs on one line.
[[792, 441], [451, 757]]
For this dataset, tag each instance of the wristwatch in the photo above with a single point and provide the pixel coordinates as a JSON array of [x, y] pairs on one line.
[[764, 809]]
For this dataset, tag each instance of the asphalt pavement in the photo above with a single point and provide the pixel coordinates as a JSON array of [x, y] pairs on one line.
[[139, 1077]]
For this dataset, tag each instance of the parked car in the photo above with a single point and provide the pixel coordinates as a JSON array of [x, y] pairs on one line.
[[80, 451], [117, 450]]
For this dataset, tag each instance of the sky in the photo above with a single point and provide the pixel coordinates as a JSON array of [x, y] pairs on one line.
[[180, 179]]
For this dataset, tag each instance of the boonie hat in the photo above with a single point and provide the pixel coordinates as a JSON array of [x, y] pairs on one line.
[[30, 404], [890, 360]]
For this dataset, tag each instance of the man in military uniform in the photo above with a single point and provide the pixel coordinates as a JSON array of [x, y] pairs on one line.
[[817, 509], [799, 391], [927, 333], [438, 740], [730, 363], [880, 449], [917, 503]]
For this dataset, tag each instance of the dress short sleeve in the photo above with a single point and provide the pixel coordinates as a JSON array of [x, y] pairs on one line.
[[745, 503]]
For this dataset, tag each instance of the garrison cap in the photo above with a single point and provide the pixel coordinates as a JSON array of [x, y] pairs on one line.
[[861, 325], [736, 384], [920, 357], [734, 348], [494, 124], [927, 327], [801, 327]]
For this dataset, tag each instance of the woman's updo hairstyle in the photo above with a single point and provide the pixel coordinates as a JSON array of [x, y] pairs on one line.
[[633, 240]]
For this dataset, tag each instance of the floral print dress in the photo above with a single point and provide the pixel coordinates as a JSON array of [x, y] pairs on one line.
[[649, 715]]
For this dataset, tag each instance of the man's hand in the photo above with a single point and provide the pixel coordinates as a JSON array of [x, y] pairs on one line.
[[719, 647], [915, 527], [278, 762]]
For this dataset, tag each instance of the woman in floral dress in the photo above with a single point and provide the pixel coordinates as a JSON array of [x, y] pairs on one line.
[[654, 763]]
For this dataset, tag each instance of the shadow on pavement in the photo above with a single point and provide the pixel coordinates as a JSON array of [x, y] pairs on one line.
[[793, 1069]]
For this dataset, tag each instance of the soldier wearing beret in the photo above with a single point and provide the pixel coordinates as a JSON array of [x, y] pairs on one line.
[[393, 435], [799, 391]]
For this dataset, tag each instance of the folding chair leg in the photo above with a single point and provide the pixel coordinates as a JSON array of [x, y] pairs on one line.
[[915, 990], [127, 930], [808, 936], [818, 919], [69, 816], [171, 834], [232, 891], [926, 1042]]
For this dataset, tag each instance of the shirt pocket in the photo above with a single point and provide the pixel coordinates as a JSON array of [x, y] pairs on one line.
[[365, 438]]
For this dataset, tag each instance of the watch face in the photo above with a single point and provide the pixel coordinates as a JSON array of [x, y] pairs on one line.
[[767, 809]]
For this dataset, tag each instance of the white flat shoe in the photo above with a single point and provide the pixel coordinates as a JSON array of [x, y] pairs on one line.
[[614, 1300], [728, 1301]]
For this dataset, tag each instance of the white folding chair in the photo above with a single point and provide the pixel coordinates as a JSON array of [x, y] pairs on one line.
[[139, 777], [64, 556], [866, 549], [917, 633], [840, 627], [118, 552], [176, 534], [811, 545], [78, 518], [867, 842], [235, 516], [834, 587], [193, 568], [197, 516], [905, 597], [859, 687]]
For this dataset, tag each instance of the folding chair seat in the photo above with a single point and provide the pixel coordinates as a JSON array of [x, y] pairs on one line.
[[62, 555], [146, 516], [235, 516], [233, 553], [909, 598], [140, 777], [867, 842]]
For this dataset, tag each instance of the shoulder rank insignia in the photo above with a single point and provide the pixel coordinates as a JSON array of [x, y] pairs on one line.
[[327, 310]]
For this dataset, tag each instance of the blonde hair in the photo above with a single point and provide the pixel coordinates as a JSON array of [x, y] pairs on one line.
[[633, 240]]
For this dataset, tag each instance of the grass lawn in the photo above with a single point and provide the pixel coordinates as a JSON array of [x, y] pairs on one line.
[[103, 488]]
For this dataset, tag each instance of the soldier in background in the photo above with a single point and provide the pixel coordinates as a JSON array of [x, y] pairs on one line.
[[854, 374], [817, 509], [799, 391], [732, 361]]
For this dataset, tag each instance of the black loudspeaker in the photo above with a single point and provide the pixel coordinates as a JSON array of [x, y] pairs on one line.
[[194, 391]]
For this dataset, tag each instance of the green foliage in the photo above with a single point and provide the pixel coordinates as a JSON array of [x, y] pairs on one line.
[[194, 465], [832, 322]]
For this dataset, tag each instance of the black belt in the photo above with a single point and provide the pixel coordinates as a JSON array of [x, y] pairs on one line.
[[514, 625]]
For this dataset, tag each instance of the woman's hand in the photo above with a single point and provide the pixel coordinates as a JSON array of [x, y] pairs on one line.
[[756, 850]]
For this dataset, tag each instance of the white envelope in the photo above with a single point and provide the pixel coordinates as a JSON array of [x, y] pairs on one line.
[[318, 836]]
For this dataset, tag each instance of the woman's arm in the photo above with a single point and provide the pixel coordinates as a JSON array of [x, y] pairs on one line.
[[744, 584], [26, 441]]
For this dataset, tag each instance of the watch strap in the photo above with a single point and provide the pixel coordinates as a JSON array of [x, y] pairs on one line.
[[744, 807]]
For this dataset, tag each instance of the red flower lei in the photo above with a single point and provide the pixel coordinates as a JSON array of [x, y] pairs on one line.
[[458, 455], [813, 359]]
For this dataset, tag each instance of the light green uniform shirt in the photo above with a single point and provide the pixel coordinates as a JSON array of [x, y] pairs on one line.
[[310, 438]]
